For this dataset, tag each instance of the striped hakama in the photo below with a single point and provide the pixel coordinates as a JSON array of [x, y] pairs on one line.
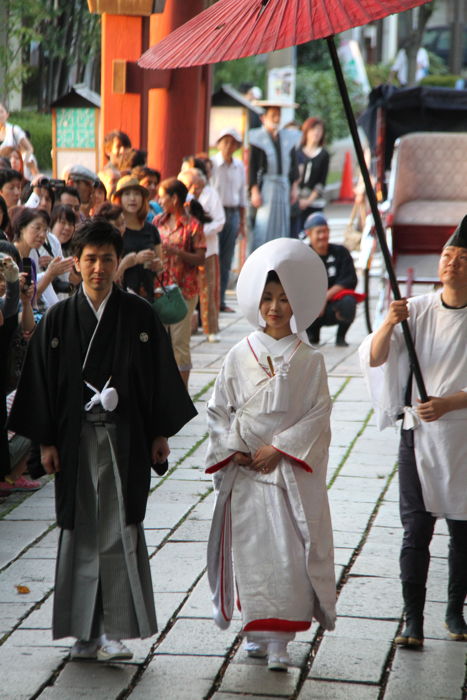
[[103, 579]]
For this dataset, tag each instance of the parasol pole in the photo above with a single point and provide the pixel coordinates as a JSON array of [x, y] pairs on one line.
[[415, 365]]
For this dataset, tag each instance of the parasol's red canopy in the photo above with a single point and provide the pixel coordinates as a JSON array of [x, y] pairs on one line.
[[232, 29]]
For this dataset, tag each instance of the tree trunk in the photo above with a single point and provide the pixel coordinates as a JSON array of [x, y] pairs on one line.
[[415, 37]]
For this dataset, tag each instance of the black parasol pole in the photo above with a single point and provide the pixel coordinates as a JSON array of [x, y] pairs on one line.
[[375, 212]]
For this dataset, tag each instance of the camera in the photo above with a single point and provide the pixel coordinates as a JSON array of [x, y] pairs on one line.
[[27, 268]]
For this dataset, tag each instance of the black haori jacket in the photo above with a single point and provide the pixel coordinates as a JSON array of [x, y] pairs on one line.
[[132, 347]]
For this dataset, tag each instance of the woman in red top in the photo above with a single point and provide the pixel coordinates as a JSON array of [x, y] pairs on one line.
[[183, 249]]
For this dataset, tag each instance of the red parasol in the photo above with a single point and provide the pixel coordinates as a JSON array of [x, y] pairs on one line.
[[232, 29]]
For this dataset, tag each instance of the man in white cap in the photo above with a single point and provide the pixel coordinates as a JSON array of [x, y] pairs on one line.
[[433, 448], [83, 179], [273, 177], [228, 178]]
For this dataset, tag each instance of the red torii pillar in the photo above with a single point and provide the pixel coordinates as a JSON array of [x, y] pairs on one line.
[[164, 112]]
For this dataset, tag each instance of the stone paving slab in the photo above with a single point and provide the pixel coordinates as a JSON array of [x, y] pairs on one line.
[[198, 637], [165, 515], [28, 669], [436, 673], [199, 603], [350, 412], [244, 678], [180, 678], [192, 530], [40, 618], [349, 540], [371, 597], [194, 473], [243, 696], [10, 613], [36, 574], [357, 628], [204, 510], [42, 510], [358, 660], [177, 565], [16, 536], [154, 536], [175, 490], [341, 520], [94, 677], [325, 690], [385, 565], [370, 471], [388, 516], [357, 489]]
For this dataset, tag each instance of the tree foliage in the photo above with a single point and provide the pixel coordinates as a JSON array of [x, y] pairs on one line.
[[250, 70], [318, 96], [64, 38]]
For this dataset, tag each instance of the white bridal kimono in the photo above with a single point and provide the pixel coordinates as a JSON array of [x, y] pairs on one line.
[[440, 337], [277, 526]]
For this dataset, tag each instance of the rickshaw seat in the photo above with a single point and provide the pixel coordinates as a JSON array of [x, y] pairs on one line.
[[427, 190]]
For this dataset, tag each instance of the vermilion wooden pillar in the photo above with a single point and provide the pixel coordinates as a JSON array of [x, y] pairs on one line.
[[177, 115], [164, 112], [121, 39]]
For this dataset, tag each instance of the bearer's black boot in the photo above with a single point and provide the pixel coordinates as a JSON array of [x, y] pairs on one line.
[[414, 602], [455, 622], [457, 590]]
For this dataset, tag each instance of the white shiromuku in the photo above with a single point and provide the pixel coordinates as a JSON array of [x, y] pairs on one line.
[[440, 337], [277, 526]]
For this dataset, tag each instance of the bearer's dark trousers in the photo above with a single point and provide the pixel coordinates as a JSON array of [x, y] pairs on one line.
[[418, 524]]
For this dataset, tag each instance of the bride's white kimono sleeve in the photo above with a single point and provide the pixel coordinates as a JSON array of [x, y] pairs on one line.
[[237, 422]]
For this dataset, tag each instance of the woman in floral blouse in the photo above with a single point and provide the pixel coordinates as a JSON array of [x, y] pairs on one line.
[[183, 250]]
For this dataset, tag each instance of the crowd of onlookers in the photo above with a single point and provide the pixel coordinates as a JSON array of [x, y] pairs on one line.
[[170, 233], [182, 230]]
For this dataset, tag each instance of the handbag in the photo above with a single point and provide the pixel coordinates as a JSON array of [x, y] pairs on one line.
[[169, 305], [353, 234]]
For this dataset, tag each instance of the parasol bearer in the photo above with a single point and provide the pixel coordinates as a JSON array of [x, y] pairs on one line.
[[433, 448]]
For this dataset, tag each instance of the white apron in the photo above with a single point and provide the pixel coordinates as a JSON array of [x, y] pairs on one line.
[[440, 337]]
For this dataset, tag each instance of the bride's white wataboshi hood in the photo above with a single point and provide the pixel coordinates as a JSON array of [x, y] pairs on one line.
[[301, 272]]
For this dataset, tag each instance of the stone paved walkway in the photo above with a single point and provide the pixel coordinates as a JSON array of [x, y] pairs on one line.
[[190, 659]]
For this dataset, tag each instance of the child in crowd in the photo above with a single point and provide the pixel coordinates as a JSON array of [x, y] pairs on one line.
[[269, 433]]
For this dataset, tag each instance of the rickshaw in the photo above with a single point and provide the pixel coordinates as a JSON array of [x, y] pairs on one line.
[[418, 140]]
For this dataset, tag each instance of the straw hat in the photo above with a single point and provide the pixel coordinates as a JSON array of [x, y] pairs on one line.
[[128, 182]]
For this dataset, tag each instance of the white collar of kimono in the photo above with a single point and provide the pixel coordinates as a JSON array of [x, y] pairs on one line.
[[274, 357], [269, 345], [269, 351], [301, 272], [103, 304], [107, 397]]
